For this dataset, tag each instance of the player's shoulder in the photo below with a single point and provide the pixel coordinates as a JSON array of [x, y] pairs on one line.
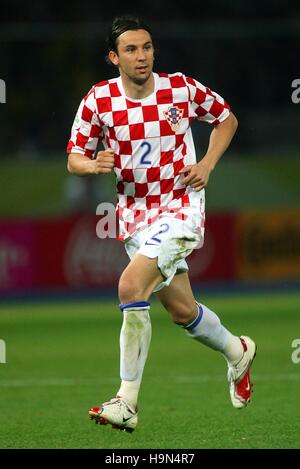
[[105, 88], [176, 79], [104, 83]]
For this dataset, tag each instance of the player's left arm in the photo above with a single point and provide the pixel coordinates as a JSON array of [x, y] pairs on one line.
[[219, 141]]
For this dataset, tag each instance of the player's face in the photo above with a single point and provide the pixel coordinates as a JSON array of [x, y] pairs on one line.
[[135, 55]]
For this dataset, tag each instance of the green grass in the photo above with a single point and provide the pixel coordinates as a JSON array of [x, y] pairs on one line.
[[63, 358]]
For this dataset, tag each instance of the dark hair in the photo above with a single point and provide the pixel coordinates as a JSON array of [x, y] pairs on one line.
[[120, 25]]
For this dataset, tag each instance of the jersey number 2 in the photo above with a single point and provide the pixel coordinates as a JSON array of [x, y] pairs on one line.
[[146, 153]]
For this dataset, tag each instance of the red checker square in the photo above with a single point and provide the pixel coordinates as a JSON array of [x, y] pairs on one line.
[[191, 81], [186, 200], [114, 90], [120, 118], [179, 139], [208, 91], [177, 193], [166, 185], [125, 147], [117, 161], [130, 201], [120, 188], [200, 96], [150, 113], [127, 175], [95, 131], [89, 153], [153, 174], [177, 82], [152, 201], [185, 108], [81, 140], [164, 96], [165, 129], [166, 157], [104, 104], [132, 104], [216, 109], [201, 112], [87, 114], [137, 131], [141, 190], [178, 165], [102, 83], [112, 133]]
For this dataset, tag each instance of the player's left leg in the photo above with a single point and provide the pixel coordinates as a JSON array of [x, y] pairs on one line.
[[136, 284], [204, 325]]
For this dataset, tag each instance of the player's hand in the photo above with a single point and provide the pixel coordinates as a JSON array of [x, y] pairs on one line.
[[196, 176], [104, 163]]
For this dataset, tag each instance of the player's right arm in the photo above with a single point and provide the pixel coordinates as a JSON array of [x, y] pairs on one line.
[[82, 165], [87, 131]]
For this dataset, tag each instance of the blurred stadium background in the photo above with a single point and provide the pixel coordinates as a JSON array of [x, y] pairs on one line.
[[51, 55], [50, 58]]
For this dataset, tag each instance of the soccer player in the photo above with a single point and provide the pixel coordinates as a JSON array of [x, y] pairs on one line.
[[144, 121]]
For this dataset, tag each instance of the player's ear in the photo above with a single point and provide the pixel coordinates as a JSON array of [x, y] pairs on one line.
[[113, 57]]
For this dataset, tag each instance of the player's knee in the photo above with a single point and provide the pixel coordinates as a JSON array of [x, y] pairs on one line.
[[181, 313], [130, 291]]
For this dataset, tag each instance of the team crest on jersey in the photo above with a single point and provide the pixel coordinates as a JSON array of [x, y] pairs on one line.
[[174, 115]]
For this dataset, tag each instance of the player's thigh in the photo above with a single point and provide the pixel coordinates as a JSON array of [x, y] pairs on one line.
[[139, 279], [178, 299]]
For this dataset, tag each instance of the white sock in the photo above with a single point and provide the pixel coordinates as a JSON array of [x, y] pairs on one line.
[[135, 338], [208, 330]]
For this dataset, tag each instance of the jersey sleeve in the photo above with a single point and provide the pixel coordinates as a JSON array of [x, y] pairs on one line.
[[87, 129], [206, 105]]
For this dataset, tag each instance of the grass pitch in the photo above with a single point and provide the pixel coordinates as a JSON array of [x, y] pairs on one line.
[[63, 358]]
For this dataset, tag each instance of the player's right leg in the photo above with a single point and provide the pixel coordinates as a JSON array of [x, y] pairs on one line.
[[203, 325], [136, 284]]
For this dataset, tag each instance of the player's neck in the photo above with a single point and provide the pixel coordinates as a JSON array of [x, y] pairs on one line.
[[135, 91]]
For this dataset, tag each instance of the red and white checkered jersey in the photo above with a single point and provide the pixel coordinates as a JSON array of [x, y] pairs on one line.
[[152, 142]]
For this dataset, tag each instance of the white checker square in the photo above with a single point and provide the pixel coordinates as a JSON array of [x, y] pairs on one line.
[[135, 115], [180, 95], [126, 161], [140, 176], [167, 171], [162, 108], [184, 125], [102, 91], [118, 103], [168, 143], [114, 145], [164, 83], [107, 119], [122, 132], [152, 129]]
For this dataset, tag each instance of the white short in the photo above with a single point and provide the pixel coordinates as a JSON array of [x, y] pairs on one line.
[[170, 240]]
